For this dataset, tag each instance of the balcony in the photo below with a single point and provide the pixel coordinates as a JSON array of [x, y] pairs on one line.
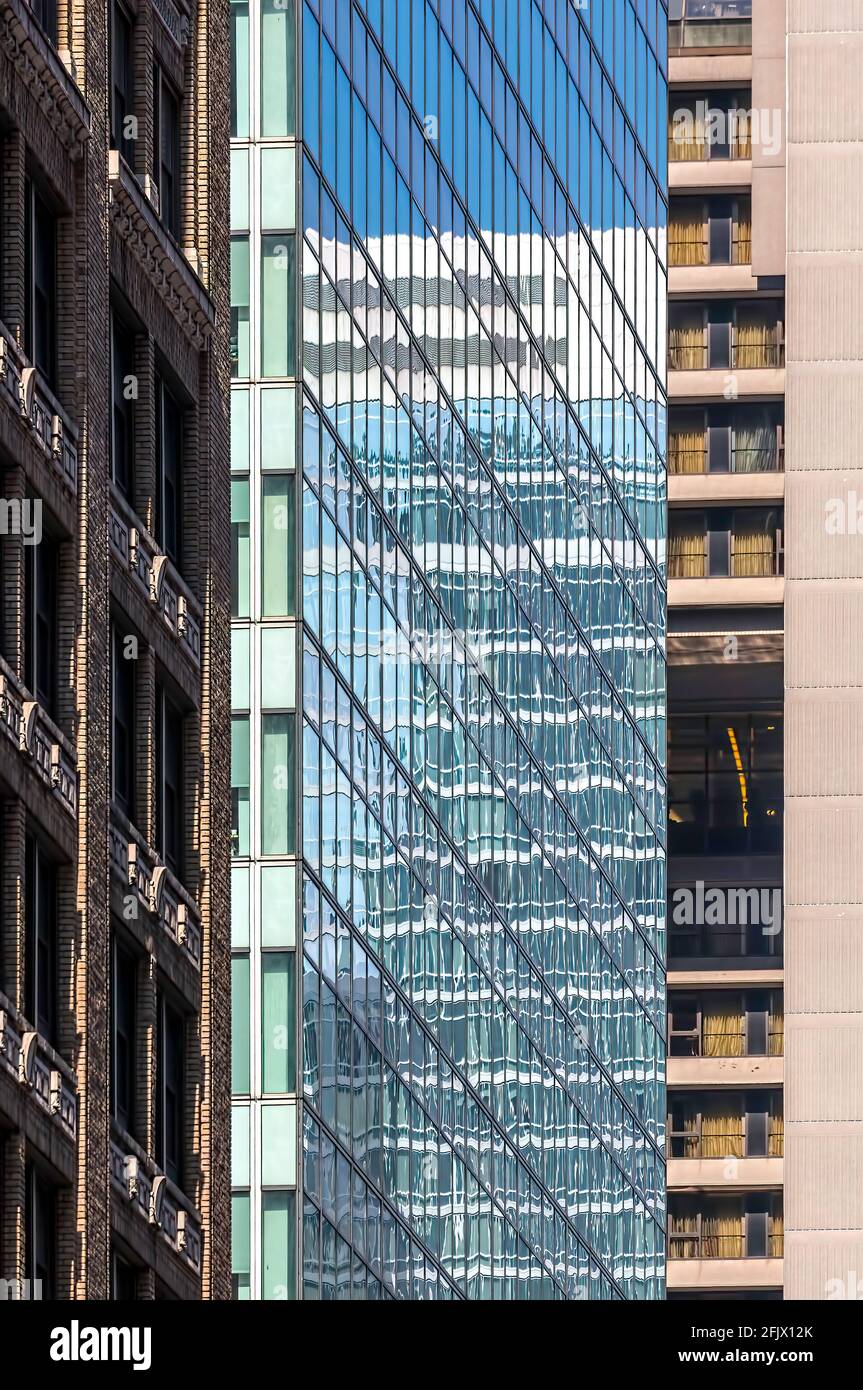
[[710, 244], [740, 439], [709, 144], [725, 1038], [709, 24], [710, 232], [156, 1201], [38, 741], [155, 888], [25, 394], [155, 577], [734, 1241], [706, 1130], [37, 1068], [708, 545], [702, 130], [707, 345]]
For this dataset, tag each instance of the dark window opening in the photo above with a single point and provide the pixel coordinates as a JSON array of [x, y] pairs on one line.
[[122, 406], [40, 618], [40, 1235], [169, 463], [40, 958], [166, 150], [169, 1090], [121, 82], [169, 781], [123, 1005], [123, 725], [40, 286], [124, 1280], [46, 13]]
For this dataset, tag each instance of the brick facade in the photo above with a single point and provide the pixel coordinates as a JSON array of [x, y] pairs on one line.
[[111, 1201]]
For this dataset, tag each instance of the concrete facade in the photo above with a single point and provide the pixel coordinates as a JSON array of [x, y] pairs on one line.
[[824, 673]]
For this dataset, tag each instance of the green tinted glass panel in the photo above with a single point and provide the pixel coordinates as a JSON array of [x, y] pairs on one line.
[[278, 666], [278, 68], [240, 430], [278, 1049], [278, 548], [240, 786], [278, 791], [240, 1048], [239, 907], [278, 306], [240, 306], [278, 1239], [278, 428], [240, 69], [278, 189], [240, 548], [239, 190], [240, 668], [241, 1232]]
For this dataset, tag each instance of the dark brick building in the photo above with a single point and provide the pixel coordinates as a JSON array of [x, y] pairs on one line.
[[114, 674]]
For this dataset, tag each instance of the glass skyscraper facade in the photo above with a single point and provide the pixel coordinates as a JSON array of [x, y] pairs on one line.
[[449, 798]]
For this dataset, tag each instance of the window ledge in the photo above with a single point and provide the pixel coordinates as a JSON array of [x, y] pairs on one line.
[[156, 1200], [38, 739], [26, 393], [164, 264], [41, 69], [155, 576], [157, 890], [37, 1067]]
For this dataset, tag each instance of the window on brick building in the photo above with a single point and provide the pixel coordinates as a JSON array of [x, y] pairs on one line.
[[46, 13], [166, 149], [123, 1049], [40, 927], [123, 724], [169, 781], [121, 82], [123, 391], [40, 283], [124, 1280], [40, 621], [170, 1069], [40, 1235], [169, 466]]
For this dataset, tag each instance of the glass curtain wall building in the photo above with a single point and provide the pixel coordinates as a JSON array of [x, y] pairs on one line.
[[449, 791]]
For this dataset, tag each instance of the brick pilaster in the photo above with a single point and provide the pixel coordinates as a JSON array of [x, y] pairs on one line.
[[14, 1170]]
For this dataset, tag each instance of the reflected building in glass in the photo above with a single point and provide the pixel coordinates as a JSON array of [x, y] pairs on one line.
[[448, 768]]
